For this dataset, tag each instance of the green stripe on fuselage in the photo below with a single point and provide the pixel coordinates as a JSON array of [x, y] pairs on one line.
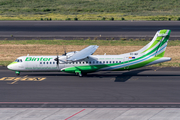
[[138, 65], [93, 68]]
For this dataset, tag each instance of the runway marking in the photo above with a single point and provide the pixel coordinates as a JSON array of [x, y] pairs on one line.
[[25, 78], [75, 114]]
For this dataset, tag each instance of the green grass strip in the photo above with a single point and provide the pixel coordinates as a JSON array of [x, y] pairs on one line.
[[130, 42]]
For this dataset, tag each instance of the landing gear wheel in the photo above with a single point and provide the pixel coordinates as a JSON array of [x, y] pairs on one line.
[[17, 74], [79, 74]]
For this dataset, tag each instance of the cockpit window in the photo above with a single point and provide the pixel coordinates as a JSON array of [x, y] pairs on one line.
[[18, 60]]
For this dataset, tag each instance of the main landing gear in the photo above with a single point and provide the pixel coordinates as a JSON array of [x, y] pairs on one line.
[[17, 73], [80, 74]]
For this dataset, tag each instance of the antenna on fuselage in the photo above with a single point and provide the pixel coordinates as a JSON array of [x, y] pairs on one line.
[[64, 50], [65, 53]]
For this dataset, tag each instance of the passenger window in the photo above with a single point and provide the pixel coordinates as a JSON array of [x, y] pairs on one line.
[[100, 62], [90, 62], [97, 62], [86, 62], [82, 62], [119, 61], [103, 61], [47, 62], [20, 60], [43, 62], [106, 61], [53, 62], [113, 61], [116, 61], [109, 61], [79, 62], [40, 62]]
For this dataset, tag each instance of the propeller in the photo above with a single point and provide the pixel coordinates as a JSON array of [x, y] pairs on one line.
[[57, 59]]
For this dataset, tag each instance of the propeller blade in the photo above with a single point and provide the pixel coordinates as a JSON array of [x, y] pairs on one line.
[[57, 59]]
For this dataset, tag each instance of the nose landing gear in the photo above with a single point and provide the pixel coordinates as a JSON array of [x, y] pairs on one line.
[[17, 73]]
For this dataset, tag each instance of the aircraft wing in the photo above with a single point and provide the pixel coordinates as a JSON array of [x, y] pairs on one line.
[[83, 53]]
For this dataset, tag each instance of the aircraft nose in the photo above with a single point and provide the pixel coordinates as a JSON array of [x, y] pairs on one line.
[[9, 66]]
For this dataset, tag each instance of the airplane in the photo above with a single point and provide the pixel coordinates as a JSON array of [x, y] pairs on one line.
[[83, 62]]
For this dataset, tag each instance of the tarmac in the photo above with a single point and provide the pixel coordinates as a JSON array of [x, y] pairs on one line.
[[148, 93], [70, 30]]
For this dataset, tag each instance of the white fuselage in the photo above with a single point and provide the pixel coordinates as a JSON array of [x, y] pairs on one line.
[[47, 63]]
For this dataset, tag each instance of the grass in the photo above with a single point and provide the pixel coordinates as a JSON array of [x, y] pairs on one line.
[[77, 42], [5, 63], [123, 42], [11, 49], [89, 9]]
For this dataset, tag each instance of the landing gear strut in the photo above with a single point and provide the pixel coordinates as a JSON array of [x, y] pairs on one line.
[[17, 73], [79, 74]]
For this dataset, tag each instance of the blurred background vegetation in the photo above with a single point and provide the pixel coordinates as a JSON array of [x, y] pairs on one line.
[[90, 9]]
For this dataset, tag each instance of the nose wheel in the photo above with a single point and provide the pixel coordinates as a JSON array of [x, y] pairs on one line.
[[17, 73]]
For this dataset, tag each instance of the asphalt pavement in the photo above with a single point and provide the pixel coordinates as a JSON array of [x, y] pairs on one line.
[[145, 86], [85, 29]]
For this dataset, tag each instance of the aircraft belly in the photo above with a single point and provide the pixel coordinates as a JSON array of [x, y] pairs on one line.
[[85, 69]]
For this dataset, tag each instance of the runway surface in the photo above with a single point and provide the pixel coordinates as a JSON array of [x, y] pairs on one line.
[[145, 87], [85, 29]]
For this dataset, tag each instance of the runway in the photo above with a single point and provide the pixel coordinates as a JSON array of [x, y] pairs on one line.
[[145, 87], [21, 30], [147, 93]]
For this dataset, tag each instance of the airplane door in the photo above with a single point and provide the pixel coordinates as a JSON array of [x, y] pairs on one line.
[[127, 65]]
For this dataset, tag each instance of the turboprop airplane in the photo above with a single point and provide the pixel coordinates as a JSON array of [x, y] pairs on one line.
[[83, 62]]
